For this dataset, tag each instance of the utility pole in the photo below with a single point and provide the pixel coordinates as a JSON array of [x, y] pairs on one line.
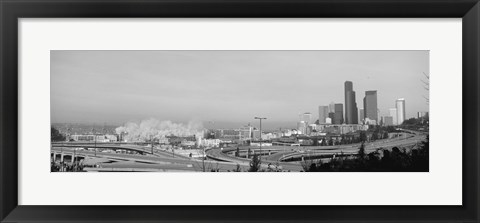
[[68, 135], [260, 118], [73, 159], [151, 143], [203, 159], [95, 140]]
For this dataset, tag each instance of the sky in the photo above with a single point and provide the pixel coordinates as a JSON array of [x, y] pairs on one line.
[[227, 87]]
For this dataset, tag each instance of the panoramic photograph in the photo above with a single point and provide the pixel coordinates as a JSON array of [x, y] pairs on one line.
[[239, 111]]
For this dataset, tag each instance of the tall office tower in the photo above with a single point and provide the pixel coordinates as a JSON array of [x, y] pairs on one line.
[[302, 127], [331, 107], [351, 111], [331, 115], [307, 118], [338, 116], [393, 113], [422, 114], [370, 105], [322, 114], [387, 120], [379, 117], [400, 104], [361, 116]]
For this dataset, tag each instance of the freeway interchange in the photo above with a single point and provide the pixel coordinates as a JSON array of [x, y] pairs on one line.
[[116, 157]]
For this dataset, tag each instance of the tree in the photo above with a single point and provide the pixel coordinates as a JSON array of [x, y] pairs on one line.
[[56, 135], [363, 136], [255, 164], [420, 159], [396, 159], [391, 129], [323, 142], [426, 85], [361, 151], [385, 135], [343, 140], [237, 169], [308, 165], [210, 135]]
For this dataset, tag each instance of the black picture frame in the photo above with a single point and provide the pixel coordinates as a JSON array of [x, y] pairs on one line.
[[12, 10]]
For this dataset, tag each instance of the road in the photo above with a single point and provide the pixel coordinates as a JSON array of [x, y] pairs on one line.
[[281, 153], [407, 141], [218, 154], [162, 160], [154, 162], [116, 146]]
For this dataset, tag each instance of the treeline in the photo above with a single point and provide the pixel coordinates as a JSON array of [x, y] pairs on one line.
[[396, 160], [417, 124], [66, 167], [55, 135]]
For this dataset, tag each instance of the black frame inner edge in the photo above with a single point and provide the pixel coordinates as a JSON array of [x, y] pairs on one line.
[[12, 10]]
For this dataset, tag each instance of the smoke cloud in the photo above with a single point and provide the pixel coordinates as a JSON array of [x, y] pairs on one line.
[[156, 129]]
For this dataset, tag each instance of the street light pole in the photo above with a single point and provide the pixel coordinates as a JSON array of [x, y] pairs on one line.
[[259, 118], [73, 159], [203, 159], [151, 141], [68, 135], [61, 160], [95, 140]]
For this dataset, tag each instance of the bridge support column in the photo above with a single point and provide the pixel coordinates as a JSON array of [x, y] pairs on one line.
[[61, 157], [54, 157], [73, 158]]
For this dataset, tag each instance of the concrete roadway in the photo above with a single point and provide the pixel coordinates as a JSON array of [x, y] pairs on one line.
[[220, 155], [283, 152], [152, 162], [164, 161], [143, 149], [276, 150], [347, 149]]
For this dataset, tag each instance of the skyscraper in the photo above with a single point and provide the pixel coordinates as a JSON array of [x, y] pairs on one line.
[[393, 113], [422, 114], [331, 107], [361, 115], [338, 116], [400, 104], [322, 114], [370, 105], [331, 115], [351, 112], [307, 118], [379, 117], [302, 127], [387, 120]]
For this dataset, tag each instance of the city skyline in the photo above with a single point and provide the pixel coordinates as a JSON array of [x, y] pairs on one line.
[[227, 86]]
